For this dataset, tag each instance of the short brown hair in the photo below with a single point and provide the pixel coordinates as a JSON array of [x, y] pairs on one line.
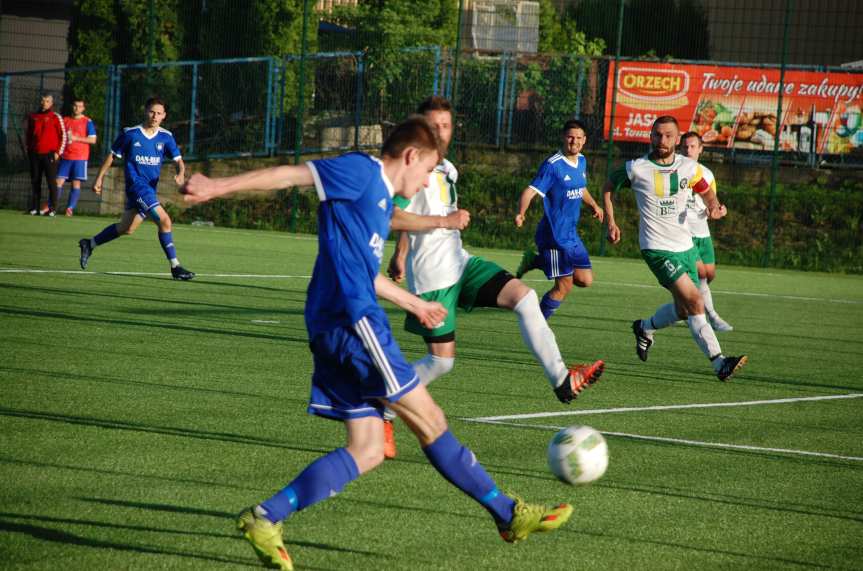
[[574, 124], [155, 101], [434, 103], [689, 135], [661, 120], [412, 132]]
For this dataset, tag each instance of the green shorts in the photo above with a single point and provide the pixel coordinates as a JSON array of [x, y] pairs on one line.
[[668, 266], [462, 294], [705, 249]]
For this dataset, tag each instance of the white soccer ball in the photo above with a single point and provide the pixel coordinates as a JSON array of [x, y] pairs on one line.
[[578, 455]]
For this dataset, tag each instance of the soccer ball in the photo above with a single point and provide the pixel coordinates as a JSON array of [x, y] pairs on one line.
[[578, 455]]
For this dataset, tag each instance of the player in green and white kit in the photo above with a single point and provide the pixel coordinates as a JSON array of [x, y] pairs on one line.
[[439, 269], [663, 182], [691, 146]]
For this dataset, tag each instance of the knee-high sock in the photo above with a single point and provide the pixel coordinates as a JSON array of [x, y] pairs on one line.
[[321, 479], [459, 466], [704, 288], [548, 305], [74, 195], [106, 235], [704, 336], [166, 239], [540, 339], [665, 316]]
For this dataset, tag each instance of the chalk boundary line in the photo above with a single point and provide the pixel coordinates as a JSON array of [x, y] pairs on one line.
[[289, 276], [507, 421]]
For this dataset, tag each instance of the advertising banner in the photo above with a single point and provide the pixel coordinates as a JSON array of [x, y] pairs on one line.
[[735, 107]]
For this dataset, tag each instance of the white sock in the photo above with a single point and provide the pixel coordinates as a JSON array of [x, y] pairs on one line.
[[704, 337], [428, 369], [664, 317], [175, 262], [540, 339], [704, 288], [431, 367], [92, 244]]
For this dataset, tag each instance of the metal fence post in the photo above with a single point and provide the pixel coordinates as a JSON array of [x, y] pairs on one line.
[[359, 100], [436, 70], [774, 166], [613, 109], [192, 113], [4, 121], [118, 88], [579, 86], [109, 97], [501, 89], [513, 75], [301, 104], [271, 66]]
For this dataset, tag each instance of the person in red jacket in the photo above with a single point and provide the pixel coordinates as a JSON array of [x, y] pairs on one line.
[[46, 141]]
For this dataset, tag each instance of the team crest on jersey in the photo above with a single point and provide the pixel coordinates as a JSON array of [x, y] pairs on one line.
[[159, 146], [684, 182]]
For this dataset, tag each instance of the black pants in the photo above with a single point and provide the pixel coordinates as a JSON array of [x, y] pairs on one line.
[[43, 165]]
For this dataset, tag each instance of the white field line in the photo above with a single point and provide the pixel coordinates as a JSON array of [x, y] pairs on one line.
[[285, 276], [683, 441], [660, 407]]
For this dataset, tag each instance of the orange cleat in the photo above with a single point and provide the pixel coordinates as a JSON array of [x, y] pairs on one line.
[[580, 377], [389, 440]]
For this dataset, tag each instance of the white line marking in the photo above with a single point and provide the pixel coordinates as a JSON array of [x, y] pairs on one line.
[[83, 273], [285, 276], [264, 321], [660, 407], [685, 441]]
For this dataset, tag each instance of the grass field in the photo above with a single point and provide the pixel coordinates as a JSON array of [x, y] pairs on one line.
[[139, 414]]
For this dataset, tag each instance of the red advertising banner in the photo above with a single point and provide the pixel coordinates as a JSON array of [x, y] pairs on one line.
[[735, 107]]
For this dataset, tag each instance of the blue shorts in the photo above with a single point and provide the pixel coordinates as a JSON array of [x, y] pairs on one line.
[[72, 170], [556, 263], [142, 198], [357, 366]]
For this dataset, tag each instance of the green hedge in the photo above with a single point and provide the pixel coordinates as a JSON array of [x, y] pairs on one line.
[[816, 227]]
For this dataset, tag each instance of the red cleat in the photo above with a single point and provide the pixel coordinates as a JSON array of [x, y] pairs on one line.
[[580, 377]]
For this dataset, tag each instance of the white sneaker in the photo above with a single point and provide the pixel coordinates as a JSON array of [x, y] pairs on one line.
[[720, 325], [34, 212]]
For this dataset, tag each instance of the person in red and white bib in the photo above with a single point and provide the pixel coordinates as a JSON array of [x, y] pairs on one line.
[[81, 134]]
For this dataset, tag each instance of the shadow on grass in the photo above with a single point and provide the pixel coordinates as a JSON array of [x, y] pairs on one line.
[[164, 430], [127, 526], [67, 376], [149, 325]]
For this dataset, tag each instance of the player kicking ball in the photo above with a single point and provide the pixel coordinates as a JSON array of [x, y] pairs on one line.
[[143, 147], [663, 181], [438, 268], [562, 184], [358, 366]]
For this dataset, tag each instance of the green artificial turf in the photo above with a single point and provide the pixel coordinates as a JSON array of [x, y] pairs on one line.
[[138, 415]]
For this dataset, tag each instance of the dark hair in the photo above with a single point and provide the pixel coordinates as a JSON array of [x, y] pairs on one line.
[[689, 135], [155, 101], [412, 132], [574, 124], [434, 103], [661, 120], [77, 99]]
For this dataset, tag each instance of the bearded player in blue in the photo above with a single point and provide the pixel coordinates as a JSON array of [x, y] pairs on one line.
[[358, 366], [143, 147], [562, 184]]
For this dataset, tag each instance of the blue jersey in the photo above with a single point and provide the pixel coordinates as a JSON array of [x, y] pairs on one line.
[[561, 183], [353, 223], [144, 154]]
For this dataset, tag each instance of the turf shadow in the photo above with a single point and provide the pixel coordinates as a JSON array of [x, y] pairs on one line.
[[102, 524]]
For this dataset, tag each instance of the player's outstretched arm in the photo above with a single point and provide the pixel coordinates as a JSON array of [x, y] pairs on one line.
[[200, 188], [180, 177], [613, 230], [103, 170], [598, 213], [523, 204], [429, 313], [410, 222], [396, 268]]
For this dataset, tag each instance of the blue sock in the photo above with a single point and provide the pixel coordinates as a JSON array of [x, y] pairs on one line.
[[321, 479], [106, 235], [166, 239], [74, 194], [459, 466], [548, 305]]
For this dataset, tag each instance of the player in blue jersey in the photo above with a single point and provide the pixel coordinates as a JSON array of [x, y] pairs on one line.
[[143, 147], [358, 366], [562, 184]]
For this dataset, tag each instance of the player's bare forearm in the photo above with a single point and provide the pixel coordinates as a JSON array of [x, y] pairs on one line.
[[523, 204], [91, 140], [410, 222], [598, 212], [396, 268], [715, 210], [613, 230], [200, 188], [429, 314]]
